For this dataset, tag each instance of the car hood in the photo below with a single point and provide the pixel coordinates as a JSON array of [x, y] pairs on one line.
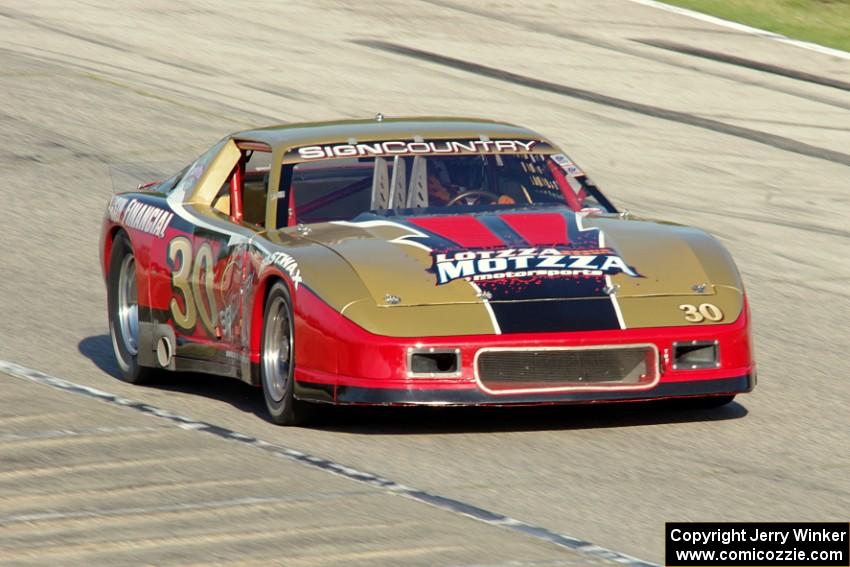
[[524, 256]]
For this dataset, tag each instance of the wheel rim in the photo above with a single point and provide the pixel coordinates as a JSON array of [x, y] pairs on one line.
[[277, 348], [128, 305]]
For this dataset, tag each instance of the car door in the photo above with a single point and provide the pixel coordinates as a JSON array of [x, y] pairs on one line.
[[209, 269]]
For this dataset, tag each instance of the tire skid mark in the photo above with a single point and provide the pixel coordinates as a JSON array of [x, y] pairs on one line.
[[18, 419], [146, 513], [91, 467], [594, 41], [108, 43], [31, 499], [822, 49], [203, 539], [137, 82], [796, 225], [746, 63], [387, 485], [90, 431], [367, 557], [71, 438], [765, 138]]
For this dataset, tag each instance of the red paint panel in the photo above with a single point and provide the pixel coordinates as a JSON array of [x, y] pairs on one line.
[[360, 358], [539, 229], [466, 231]]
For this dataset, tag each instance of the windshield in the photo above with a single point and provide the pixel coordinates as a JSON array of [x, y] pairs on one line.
[[341, 189]]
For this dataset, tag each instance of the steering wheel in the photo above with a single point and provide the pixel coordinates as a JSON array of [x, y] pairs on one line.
[[471, 193]]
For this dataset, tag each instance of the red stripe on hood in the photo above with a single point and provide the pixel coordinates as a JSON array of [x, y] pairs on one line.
[[466, 231], [539, 229]]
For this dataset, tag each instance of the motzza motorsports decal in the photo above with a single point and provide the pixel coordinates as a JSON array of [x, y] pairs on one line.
[[542, 257], [563, 249], [510, 263]]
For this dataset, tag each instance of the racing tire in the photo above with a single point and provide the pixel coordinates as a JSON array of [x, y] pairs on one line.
[[277, 360], [123, 309]]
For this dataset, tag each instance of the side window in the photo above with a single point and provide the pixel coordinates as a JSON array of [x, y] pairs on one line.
[[329, 190], [576, 182], [255, 187], [193, 173], [169, 184], [242, 196]]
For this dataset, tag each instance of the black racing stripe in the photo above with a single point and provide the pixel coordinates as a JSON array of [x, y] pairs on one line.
[[531, 288], [594, 314], [503, 230], [544, 288]]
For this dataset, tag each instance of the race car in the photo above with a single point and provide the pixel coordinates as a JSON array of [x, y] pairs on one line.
[[416, 261]]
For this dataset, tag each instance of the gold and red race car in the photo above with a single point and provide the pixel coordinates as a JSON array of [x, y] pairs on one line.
[[416, 261]]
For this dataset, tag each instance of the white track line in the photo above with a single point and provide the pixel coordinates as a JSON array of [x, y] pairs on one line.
[[746, 29], [390, 486]]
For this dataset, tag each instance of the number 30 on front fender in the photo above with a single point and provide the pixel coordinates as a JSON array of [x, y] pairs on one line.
[[701, 312]]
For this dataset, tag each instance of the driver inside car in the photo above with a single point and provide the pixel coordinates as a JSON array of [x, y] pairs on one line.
[[440, 194]]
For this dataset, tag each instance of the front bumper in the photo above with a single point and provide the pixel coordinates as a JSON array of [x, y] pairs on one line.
[[475, 397], [344, 364]]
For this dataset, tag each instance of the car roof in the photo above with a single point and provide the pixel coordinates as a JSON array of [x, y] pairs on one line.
[[344, 131]]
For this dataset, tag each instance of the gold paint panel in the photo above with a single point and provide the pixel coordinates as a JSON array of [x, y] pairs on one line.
[[382, 266], [665, 312], [673, 258], [216, 174], [421, 321]]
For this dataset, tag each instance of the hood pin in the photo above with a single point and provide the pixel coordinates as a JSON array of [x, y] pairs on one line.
[[611, 289]]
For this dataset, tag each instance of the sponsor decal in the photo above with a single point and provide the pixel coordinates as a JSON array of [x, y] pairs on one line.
[[286, 263], [513, 263], [567, 165], [116, 207], [140, 216], [398, 147]]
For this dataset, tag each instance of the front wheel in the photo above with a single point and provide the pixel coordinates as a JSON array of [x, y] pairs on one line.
[[277, 360]]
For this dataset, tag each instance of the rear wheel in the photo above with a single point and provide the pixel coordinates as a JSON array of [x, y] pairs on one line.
[[277, 360], [123, 308]]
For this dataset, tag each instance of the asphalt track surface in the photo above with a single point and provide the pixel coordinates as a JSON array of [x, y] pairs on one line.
[[95, 471]]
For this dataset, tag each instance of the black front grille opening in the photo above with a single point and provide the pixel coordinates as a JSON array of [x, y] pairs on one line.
[[566, 368], [691, 356], [433, 363]]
